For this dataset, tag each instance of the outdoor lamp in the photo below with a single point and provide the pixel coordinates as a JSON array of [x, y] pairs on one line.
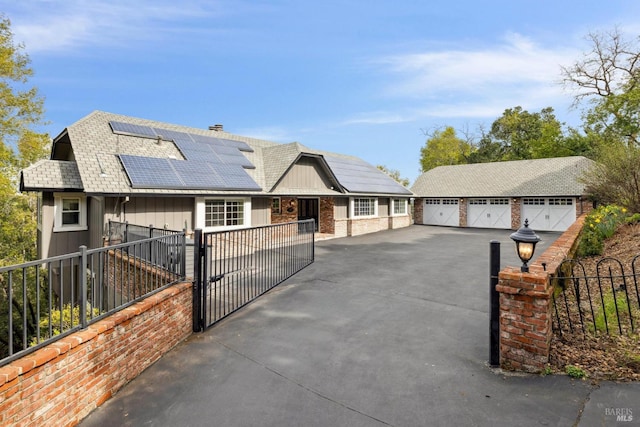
[[526, 240]]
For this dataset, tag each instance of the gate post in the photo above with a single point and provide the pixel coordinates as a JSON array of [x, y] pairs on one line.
[[494, 297], [197, 280]]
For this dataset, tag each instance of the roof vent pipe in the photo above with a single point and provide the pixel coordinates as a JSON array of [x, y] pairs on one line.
[[216, 128]]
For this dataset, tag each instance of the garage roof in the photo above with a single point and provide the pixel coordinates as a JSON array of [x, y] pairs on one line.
[[520, 178]]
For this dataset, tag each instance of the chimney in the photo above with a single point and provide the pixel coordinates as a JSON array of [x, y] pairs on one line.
[[216, 128]]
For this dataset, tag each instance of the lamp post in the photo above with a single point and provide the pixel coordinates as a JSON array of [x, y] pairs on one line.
[[526, 240]]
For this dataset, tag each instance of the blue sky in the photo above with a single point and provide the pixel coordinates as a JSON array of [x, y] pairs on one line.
[[366, 78]]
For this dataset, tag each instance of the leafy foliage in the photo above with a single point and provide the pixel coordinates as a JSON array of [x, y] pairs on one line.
[[616, 177], [395, 174], [444, 148], [600, 224], [21, 108]]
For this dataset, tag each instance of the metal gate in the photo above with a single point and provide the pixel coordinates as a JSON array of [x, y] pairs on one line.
[[232, 268]]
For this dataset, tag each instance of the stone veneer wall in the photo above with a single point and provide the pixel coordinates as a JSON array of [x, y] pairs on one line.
[[62, 383]]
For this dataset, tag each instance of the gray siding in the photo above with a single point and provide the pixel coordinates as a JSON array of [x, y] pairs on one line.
[[59, 243], [260, 211], [306, 173], [157, 211], [341, 208], [383, 206], [95, 206]]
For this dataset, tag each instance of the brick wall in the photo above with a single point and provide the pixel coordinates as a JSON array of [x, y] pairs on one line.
[[326, 220], [462, 205], [63, 382], [288, 211], [418, 211], [516, 213], [526, 306]]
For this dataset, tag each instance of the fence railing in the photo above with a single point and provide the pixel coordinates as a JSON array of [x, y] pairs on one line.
[[235, 267], [45, 300], [603, 301]]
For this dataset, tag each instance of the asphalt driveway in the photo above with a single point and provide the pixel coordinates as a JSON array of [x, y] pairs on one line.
[[385, 329]]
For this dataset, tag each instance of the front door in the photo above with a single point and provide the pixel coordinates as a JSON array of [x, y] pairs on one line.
[[307, 209]]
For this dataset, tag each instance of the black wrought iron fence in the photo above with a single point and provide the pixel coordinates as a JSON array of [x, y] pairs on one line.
[[235, 267], [604, 299], [44, 300]]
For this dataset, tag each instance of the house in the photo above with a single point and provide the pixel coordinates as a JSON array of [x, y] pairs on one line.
[[113, 167], [547, 192]]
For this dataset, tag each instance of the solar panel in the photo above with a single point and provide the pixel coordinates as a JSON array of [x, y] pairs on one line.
[[198, 175], [240, 145], [151, 172], [171, 135], [358, 176], [135, 130], [235, 176]]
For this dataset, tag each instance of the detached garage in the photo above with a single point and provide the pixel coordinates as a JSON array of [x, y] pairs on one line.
[[502, 195]]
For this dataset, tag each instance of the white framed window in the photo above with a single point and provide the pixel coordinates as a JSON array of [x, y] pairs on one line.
[[399, 206], [364, 207], [219, 213], [70, 212]]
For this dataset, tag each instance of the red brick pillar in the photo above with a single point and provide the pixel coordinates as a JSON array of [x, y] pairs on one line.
[[418, 205], [525, 319]]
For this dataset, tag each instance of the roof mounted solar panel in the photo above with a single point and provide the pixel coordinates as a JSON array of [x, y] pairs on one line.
[[172, 135], [133, 130], [198, 175], [149, 172], [240, 145], [358, 176]]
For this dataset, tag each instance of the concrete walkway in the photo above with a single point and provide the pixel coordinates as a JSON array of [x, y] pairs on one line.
[[388, 329]]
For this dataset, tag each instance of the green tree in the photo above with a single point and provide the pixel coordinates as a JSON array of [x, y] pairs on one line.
[[525, 135], [395, 174], [615, 178], [444, 147], [21, 109], [607, 78]]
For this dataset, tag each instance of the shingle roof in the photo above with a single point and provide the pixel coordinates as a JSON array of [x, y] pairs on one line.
[[540, 177], [95, 149], [51, 175]]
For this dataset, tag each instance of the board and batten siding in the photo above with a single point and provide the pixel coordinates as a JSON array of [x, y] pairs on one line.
[[383, 206], [171, 212], [307, 174], [260, 211], [59, 243], [341, 208]]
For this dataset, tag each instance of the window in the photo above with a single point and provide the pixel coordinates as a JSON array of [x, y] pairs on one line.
[[364, 207], [70, 212], [561, 202], [499, 201], [275, 205], [399, 206], [220, 213], [533, 202], [478, 201]]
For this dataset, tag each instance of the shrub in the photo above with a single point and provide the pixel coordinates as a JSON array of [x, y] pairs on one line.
[[600, 224]]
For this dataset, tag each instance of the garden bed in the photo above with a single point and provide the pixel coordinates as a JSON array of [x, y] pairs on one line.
[[612, 356]]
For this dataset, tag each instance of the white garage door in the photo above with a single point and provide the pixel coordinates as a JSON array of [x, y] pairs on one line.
[[441, 212], [489, 213], [549, 214]]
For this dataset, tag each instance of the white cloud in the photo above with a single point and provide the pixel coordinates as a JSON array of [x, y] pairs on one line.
[[48, 26], [467, 82]]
